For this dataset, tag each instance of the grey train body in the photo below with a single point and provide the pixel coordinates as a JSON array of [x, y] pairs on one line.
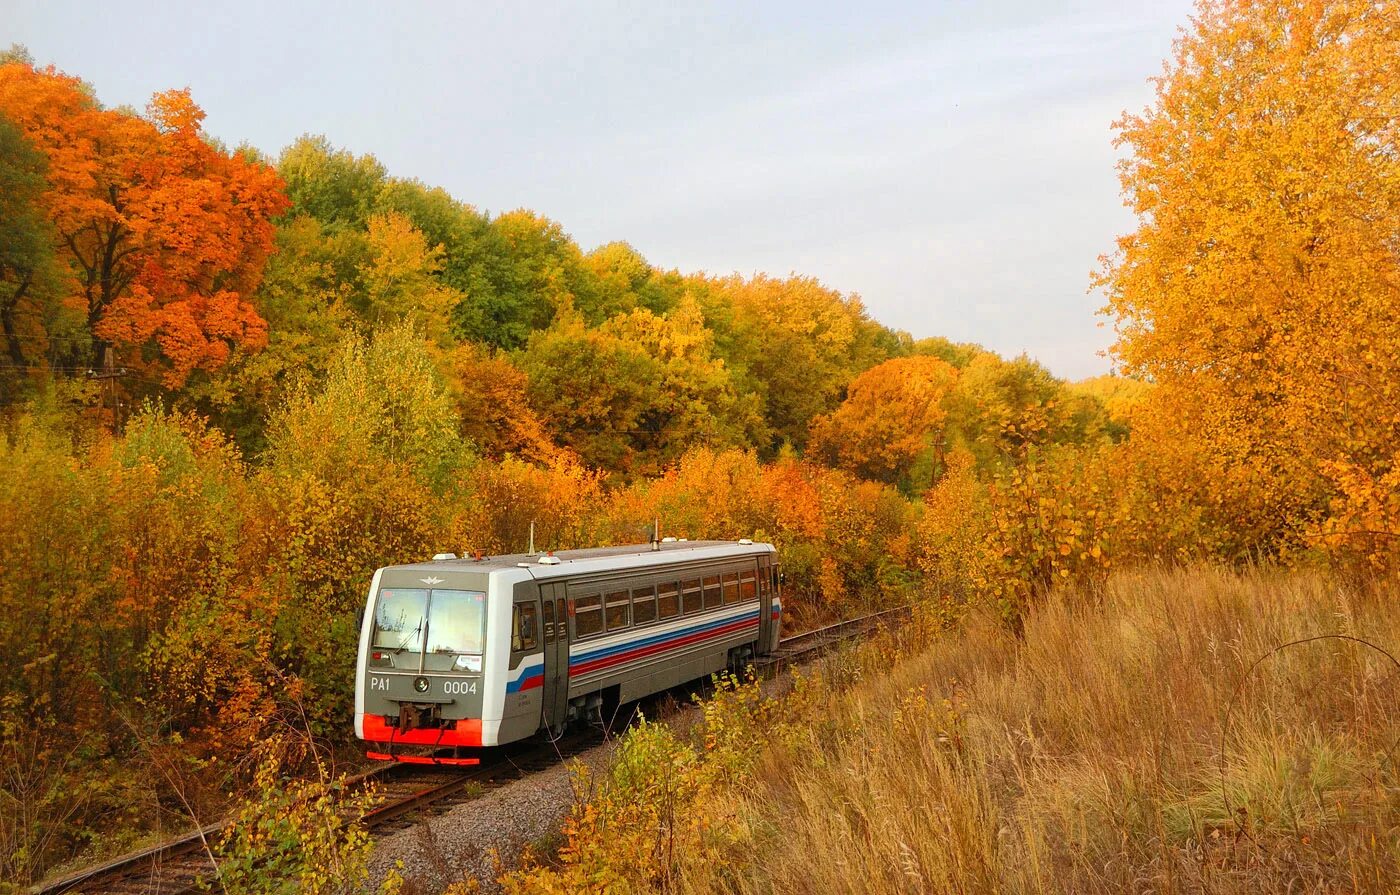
[[467, 653]]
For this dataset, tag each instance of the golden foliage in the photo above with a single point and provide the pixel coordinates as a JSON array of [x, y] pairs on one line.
[[493, 405], [504, 499], [637, 391], [793, 341], [157, 573], [1119, 395], [658, 807], [399, 278], [843, 542], [623, 831], [893, 412], [1259, 290]]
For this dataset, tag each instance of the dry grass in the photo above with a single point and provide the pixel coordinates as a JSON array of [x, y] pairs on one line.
[[1087, 757]]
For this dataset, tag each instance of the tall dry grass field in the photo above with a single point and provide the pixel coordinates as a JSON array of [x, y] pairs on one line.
[[1092, 755]]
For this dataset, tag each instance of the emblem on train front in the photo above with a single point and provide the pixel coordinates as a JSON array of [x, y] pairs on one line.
[[431, 581]]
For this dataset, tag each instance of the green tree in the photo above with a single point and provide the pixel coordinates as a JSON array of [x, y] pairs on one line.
[[467, 240], [332, 185], [305, 296], [633, 394], [592, 389], [794, 342], [1001, 409], [353, 479], [382, 402], [31, 313], [528, 268]]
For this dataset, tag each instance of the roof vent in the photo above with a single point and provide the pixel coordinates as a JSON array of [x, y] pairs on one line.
[[685, 539], [668, 540], [523, 565], [746, 541], [437, 557], [549, 559]]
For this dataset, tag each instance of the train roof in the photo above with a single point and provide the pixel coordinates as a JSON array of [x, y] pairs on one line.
[[592, 559]]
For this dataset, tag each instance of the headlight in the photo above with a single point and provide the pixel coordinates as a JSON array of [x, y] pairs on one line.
[[420, 684]]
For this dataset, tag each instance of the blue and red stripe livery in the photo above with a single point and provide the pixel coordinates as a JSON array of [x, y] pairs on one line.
[[528, 676], [617, 654]]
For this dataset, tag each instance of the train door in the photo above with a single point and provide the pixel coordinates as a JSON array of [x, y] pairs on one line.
[[773, 574], [556, 655], [765, 606]]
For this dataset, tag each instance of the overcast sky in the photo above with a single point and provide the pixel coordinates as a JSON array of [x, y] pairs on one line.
[[950, 162]]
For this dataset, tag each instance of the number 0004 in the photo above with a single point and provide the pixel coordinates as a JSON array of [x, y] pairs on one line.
[[461, 688]]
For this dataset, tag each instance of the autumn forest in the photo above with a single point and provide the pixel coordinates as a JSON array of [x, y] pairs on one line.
[[232, 385]]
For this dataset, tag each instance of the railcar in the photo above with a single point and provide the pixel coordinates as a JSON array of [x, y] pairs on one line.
[[462, 653]]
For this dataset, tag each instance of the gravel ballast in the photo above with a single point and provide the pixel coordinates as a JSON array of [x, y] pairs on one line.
[[466, 842]]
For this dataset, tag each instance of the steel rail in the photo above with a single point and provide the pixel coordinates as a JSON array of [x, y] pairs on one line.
[[150, 861], [805, 645], [190, 852]]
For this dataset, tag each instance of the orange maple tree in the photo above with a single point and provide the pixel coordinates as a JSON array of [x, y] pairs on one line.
[[167, 234]]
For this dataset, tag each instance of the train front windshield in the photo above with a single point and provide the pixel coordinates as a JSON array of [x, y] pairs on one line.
[[451, 622]]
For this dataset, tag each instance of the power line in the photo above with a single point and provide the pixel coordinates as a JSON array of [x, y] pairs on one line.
[[55, 368], [121, 372], [24, 337]]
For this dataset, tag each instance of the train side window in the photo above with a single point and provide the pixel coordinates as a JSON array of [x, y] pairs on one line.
[[668, 599], [747, 586], [548, 621], [617, 610], [644, 604], [588, 615], [690, 590], [523, 635], [712, 595], [763, 581], [731, 588]]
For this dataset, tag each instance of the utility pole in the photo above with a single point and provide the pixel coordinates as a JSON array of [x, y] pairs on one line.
[[109, 374]]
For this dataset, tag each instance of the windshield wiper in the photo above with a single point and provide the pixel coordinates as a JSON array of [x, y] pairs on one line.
[[403, 644]]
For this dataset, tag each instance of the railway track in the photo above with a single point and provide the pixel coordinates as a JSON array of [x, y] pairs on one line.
[[804, 646], [409, 792]]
